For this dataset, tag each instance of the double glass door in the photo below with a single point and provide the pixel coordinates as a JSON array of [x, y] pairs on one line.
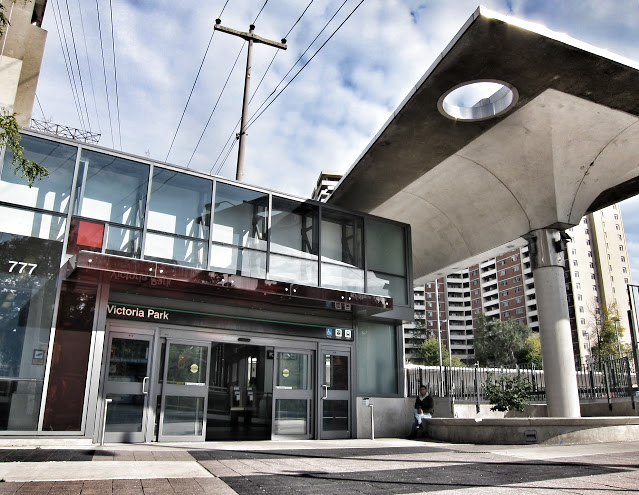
[[171, 407]]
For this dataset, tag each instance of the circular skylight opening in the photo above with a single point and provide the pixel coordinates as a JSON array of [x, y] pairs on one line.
[[477, 100]]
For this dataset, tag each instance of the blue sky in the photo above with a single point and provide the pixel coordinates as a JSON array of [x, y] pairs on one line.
[[324, 118]]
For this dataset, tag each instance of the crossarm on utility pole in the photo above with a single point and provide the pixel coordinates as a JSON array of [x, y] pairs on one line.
[[251, 38]]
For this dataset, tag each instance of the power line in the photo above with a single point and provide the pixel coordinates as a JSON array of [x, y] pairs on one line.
[[253, 96], [302, 68], [115, 75], [77, 61], [44, 117], [86, 51], [67, 60], [260, 12], [216, 103], [193, 87], [106, 86]]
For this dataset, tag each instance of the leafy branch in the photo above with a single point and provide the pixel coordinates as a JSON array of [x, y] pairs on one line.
[[508, 393], [10, 137]]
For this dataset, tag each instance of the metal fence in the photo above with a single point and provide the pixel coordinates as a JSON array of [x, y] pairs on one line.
[[601, 379]]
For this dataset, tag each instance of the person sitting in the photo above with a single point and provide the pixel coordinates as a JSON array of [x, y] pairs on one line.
[[424, 405]]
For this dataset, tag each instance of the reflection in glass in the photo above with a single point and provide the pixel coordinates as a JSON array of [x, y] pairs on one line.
[[386, 260], [125, 413], [342, 277], [128, 360], [124, 242], [187, 364], [240, 261], [29, 269], [183, 416], [240, 392], [296, 270], [176, 250], [240, 217], [54, 191], [336, 372], [32, 224], [179, 204], [295, 228], [291, 417], [376, 359], [111, 189], [383, 284], [335, 415], [292, 372]]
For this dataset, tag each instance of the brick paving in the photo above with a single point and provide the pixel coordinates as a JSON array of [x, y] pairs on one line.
[[347, 467]]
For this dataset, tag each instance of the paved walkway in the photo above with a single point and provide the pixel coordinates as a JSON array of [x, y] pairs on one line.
[[321, 467]]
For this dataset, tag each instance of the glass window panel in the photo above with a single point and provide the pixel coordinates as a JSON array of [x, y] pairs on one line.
[[51, 193], [342, 277], [111, 189], [238, 261], [125, 242], [336, 372], [294, 228], [296, 270], [32, 224], [179, 204], [29, 270], [187, 364], [125, 413], [291, 417], [342, 238], [292, 370], [383, 284], [177, 250], [385, 247], [183, 416], [376, 359], [129, 360], [335, 415], [240, 216]]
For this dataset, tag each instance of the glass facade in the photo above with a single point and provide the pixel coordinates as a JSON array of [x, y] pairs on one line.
[[116, 205], [376, 359]]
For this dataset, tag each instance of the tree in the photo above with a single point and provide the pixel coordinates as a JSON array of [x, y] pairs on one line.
[[607, 333], [531, 352], [507, 393], [499, 343], [430, 353], [10, 134]]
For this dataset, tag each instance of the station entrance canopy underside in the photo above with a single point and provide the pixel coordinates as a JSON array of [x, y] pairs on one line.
[[559, 139]]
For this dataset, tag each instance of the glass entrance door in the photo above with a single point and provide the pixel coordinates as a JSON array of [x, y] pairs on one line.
[[184, 391], [335, 400], [292, 395], [127, 385]]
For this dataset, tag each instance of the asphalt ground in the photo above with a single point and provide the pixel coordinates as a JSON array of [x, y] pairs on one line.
[[341, 467]]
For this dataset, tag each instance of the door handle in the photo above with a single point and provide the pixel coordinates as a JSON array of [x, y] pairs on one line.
[[325, 396], [145, 384]]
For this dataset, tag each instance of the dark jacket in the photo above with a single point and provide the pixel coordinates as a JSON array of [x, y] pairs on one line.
[[427, 404]]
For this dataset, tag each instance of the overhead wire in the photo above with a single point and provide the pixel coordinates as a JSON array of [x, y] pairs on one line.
[[44, 117], [67, 59], [193, 87], [86, 51], [216, 103], [302, 68], [77, 62], [106, 86], [253, 95], [260, 12], [115, 75]]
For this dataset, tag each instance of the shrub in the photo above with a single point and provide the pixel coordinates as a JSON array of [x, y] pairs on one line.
[[507, 393]]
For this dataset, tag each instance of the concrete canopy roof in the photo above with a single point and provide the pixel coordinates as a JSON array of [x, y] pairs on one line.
[[569, 145]]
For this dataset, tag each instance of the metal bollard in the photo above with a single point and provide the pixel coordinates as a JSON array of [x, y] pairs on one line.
[[372, 422], [106, 405]]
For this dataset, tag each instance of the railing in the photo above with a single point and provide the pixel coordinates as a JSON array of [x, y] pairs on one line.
[[65, 131], [605, 379]]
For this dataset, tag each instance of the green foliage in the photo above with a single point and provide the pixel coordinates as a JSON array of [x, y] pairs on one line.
[[499, 343], [430, 354], [607, 343], [508, 393], [10, 137], [531, 352]]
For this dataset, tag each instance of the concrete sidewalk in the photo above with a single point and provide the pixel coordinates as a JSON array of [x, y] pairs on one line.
[[320, 467]]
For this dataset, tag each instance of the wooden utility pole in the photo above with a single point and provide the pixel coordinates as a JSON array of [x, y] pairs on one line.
[[251, 38]]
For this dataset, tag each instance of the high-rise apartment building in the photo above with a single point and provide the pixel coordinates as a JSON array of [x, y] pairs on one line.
[[597, 272]]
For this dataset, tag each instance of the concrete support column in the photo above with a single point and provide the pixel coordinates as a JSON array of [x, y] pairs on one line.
[[554, 323]]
